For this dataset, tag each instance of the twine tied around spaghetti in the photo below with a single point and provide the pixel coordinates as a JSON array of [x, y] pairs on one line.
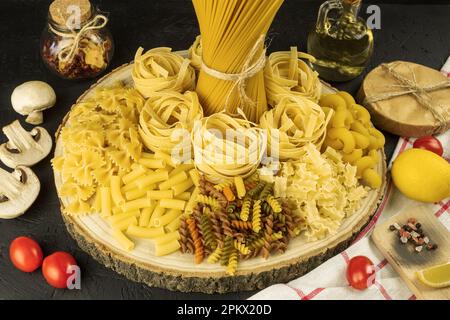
[[68, 52], [248, 71], [422, 94]]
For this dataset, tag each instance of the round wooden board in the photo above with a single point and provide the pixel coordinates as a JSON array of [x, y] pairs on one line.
[[177, 271]]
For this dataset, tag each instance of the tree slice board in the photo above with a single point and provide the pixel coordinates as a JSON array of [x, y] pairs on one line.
[[178, 272], [402, 256]]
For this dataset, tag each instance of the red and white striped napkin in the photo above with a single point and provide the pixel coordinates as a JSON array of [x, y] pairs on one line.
[[328, 281]]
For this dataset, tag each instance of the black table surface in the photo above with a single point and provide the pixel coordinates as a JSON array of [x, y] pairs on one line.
[[417, 33]]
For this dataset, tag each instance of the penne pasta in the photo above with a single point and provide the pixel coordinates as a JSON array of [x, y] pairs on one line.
[[116, 194], [174, 180], [159, 194], [167, 248], [136, 173], [158, 212], [167, 218], [152, 178], [122, 225], [195, 176], [152, 163], [172, 204], [168, 237], [182, 187], [145, 233], [136, 204], [105, 201], [123, 241], [186, 196]]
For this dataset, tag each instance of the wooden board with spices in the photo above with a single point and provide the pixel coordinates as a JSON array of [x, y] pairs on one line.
[[407, 261]]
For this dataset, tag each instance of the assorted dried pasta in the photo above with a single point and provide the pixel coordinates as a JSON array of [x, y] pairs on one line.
[[107, 170], [222, 186]]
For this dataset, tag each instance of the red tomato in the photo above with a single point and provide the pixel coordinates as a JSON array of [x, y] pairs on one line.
[[360, 273], [55, 269], [25, 254], [431, 144]]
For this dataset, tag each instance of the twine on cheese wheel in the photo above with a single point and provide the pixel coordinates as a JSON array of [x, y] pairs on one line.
[[160, 69], [226, 147], [165, 113], [292, 124], [287, 73], [195, 54]]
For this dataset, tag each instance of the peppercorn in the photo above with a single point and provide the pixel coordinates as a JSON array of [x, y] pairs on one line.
[[392, 227], [418, 225]]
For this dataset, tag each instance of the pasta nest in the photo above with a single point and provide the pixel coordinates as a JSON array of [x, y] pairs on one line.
[[226, 147], [286, 73], [293, 123], [160, 69], [195, 53], [164, 115]]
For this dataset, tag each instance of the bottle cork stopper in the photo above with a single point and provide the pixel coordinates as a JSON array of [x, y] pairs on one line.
[[62, 10]]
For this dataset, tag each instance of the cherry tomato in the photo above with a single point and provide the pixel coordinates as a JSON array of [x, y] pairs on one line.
[[431, 144], [55, 269], [25, 254], [361, 273]]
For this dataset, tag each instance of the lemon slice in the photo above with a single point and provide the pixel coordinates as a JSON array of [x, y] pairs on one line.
[[436, 277]]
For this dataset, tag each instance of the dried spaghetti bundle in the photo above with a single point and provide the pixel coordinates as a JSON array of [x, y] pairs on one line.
[[165, 113], [160, 69], [287, 74], [226, 147], [293, 123], [233, 54]]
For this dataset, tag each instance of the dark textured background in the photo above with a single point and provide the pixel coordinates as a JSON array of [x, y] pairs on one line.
[[418, 33]]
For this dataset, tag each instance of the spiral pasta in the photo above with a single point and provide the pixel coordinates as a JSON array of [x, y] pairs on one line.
[[287, 74], [225, 147], [215, 256], [210, 201], [165, 119], [159, 70], [232, 263], [241, 247], [294, 122], [274, 204], [256, 216], [198, 243], [245, 210]]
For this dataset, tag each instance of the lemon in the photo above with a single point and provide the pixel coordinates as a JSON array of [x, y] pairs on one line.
[[436, 277], [422, 175]]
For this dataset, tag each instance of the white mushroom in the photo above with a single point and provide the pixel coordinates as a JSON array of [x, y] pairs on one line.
[[31, 98], [24, 148], [18, 191]]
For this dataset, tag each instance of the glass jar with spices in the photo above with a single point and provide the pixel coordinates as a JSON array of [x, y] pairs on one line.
[[76, 43]]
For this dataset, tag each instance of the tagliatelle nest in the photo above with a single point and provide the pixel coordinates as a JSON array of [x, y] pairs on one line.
[[167, 118]]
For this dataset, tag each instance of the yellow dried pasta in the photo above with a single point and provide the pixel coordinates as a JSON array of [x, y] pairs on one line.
[[159, 70], [287, 74]]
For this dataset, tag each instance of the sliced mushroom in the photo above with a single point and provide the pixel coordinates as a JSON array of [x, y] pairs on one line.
[[24, 148], [18, 191], [31, 98]]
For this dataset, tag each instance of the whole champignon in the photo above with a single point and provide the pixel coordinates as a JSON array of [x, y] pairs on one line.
[[24, 148], [31, 98], [18, 191]]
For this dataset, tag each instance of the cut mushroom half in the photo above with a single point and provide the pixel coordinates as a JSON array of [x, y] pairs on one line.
[[18, 191], [24, 148]]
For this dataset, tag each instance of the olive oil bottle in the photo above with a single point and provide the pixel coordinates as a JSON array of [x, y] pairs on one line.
[[341, 41]]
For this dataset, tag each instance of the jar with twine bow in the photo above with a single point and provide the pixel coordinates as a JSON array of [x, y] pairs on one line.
[[76, 43]]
